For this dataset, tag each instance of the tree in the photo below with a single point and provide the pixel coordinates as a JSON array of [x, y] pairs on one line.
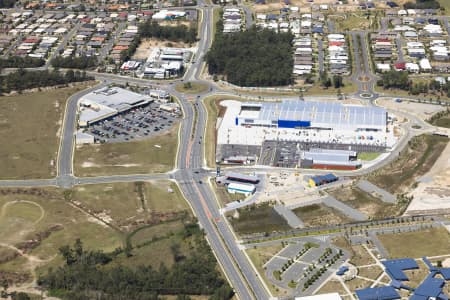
[[5, 285], [394, 79], [337, 81], [252, 58], [21, 296], [70, 76]]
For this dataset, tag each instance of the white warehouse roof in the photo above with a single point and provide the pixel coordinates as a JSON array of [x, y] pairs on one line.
[[107, 102], [330, 296], [323, 113]]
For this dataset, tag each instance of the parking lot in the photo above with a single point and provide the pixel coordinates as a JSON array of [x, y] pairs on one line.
[[135, 124], [307, 256]]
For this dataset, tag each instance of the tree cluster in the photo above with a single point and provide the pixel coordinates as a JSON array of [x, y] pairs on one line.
[[80, 62], [21, 79], [422, 4], [252, 58], [180, 33], [7, 3], [438, 88], [21, 62], [126, 54], [336, 81], [151, 29], [400, 80], [93, 274], [394, 79]]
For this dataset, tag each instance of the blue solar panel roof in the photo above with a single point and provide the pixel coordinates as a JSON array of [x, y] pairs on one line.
[[323, 112], [445, 272], [380, 293], [430, 287], [395, 267]]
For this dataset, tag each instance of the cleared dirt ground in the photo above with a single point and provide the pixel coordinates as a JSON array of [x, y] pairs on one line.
[[413, 162], [147, 45], [433, 191], [271, 6], [421, 110]]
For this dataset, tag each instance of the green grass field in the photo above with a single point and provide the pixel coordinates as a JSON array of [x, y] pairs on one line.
[[261, 255], [149, 233], [443, 122], [39, 221], [441, 119], [30, 125], [367, 156], [446, 5], [372, 272], [352, 22], [128, 157], [428, 242], [191, 88], [317, 89], [262, 218], [129, 203]]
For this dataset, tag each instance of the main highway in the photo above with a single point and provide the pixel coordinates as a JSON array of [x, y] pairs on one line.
[[191, 173]]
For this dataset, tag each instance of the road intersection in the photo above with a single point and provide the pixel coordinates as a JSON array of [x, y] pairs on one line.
[[191, 173]]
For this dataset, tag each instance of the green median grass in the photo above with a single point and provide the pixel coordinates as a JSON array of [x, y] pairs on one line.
[[133, 157]]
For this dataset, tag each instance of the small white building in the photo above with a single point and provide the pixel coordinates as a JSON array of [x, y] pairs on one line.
[[425, 65], [383, 67], [170, 107], [412, 67], [82, 138], [240, 188], [330, 296]]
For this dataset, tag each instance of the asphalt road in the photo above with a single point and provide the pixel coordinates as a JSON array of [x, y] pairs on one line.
[[65, 155], [320, 57], [248, 16], [191, 173], [62, 44], [398, 45]]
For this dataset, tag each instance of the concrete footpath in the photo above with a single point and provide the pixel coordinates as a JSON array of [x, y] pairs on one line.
[[370, 188], [289, 216]]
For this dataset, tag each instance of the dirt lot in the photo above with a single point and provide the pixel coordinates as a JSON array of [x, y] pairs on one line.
[[372, 272], [30, 126], [128, 157], [275, 6], [146, 46], [332, 286], [421, 110], [223, 196], [320, 215], [130, 205], [433, 192], [413, 162], [364, 202]]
